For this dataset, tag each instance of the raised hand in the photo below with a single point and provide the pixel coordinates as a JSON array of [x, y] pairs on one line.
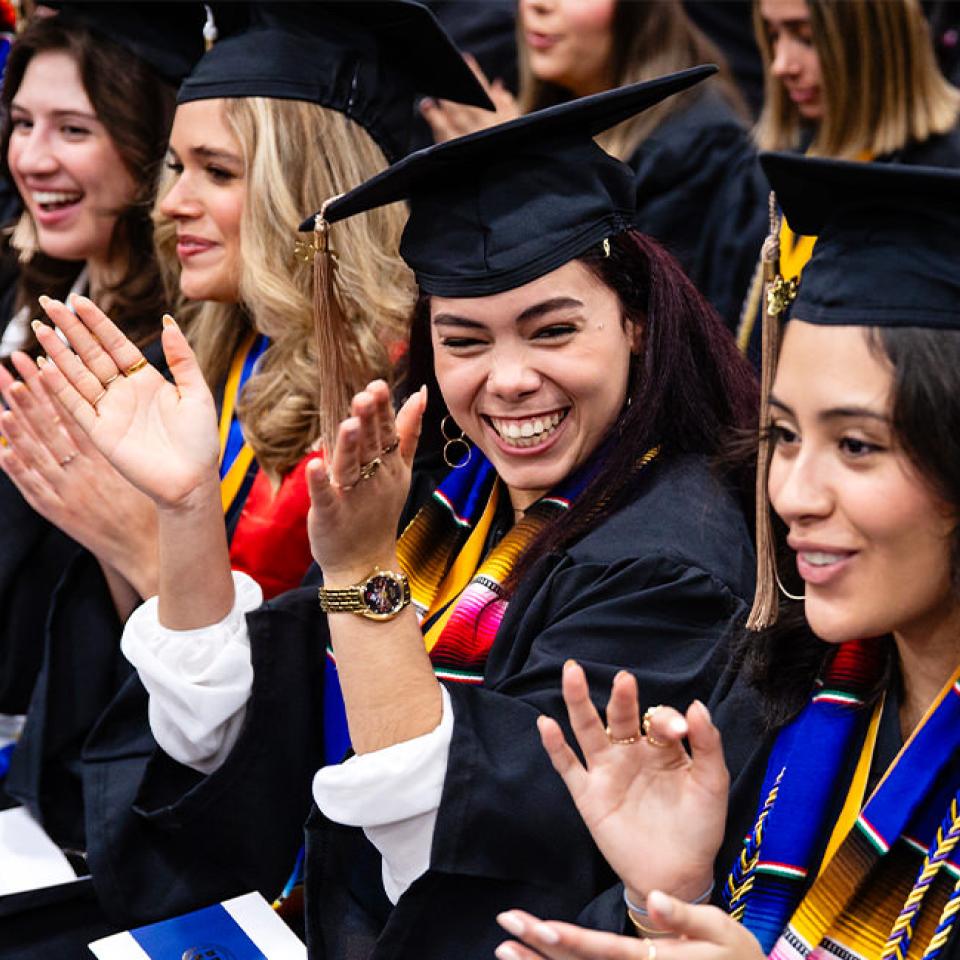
[[690, 933], [358, 491], [160, 436], [65, 479], [656, 813], [448, 119]]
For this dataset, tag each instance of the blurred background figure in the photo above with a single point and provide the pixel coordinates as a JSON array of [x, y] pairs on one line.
[[854, 80], [702, 195]]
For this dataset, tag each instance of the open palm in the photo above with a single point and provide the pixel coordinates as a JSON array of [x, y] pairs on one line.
[[656, 813], [162, 437]]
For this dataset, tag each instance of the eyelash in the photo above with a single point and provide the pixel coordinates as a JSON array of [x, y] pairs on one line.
[[218, 174], [854, 447]]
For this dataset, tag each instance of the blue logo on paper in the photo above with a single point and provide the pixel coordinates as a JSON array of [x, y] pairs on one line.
[[210, 951]]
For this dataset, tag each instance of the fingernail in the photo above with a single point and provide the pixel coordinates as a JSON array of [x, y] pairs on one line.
[[43, 300], [168, 321], [36, 325], [546, 934], [660, 902], [701, 708], [427, 103], [506, 952], [511, 922], [84, 301], [569, 664], [42, 361], [678, 726]]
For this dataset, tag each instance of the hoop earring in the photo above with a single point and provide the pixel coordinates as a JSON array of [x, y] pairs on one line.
[[452, 442], [784, 591]]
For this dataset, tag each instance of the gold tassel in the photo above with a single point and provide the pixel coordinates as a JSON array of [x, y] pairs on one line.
[[339, 352], [778, 295]]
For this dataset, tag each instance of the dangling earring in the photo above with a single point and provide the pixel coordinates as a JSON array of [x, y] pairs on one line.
[[452, 442], [784, 590]]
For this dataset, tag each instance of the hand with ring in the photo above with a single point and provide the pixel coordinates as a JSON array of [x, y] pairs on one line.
[[358, 490], [690, 933], [656, 812], [161, 436], [66, 480]]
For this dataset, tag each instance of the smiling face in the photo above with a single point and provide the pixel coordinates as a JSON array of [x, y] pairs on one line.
[[795, 62], [64, 163], [872, 539], [206, 199], [570, 42], [535, 376]]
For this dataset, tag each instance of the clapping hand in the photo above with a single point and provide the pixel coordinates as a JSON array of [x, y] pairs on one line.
[[161, 436]]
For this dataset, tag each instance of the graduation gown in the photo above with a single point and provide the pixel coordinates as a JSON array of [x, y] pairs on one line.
[[701, 193], [651, 589]]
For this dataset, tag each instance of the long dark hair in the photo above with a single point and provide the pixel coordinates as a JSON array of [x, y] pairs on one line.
[[783, 661], [689, 390], [136, 107]]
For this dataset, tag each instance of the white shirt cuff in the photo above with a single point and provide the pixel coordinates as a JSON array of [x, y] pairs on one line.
[[394, 795], [199, 681]]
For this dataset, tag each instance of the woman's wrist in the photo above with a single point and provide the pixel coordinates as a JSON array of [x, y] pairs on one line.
[[640, 918], [349, 571], [696, 890]]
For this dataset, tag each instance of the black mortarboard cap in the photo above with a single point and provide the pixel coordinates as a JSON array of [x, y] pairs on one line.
[[368, 59], [168, 36], [888, 247], [498, 208]]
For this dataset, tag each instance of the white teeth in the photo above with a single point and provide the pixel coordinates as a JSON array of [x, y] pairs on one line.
[[527, 433], [45, 197], [817, 558]]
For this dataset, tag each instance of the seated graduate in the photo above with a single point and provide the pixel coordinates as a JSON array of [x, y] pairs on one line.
[[87, 101], [849, 805], [237, 176], [582, 384]]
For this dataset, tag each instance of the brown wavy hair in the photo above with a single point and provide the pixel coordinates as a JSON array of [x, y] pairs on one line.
[[880, 82], [295, 156], [136, 107]]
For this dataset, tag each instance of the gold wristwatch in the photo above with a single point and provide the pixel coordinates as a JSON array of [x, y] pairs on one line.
[[380, 597]]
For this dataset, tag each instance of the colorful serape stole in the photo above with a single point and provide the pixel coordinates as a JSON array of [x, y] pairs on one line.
[[456, 591], [889, 887], [236, 455]]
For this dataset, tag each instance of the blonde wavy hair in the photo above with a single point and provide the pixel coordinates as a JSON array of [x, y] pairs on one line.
[[649, 40], [880, 82], [296, 155]]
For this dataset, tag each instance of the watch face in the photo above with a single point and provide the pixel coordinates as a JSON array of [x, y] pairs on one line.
[[383, 594]]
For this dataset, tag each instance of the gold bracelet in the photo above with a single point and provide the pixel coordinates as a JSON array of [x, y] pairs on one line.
[[642, 929]]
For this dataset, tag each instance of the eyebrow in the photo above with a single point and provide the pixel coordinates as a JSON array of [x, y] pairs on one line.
[[208, 153], [59, 114], [835, 413], [531, 313]]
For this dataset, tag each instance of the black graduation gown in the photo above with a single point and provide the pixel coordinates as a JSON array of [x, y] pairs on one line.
[[747, 744], [651, 589], [702, 194]]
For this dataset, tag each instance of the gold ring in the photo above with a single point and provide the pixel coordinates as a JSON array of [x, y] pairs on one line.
[[390, 447], [647, 717], [623, 741], [134, 367], [116, 376], [368, 470], [69, 458], [93, 403]]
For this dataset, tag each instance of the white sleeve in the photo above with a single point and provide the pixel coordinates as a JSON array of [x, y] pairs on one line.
[[394, 795], [199, 680]]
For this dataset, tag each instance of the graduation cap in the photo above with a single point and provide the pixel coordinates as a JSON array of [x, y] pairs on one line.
[[368, 60], [168, 36], [888, 245], [498, 208]]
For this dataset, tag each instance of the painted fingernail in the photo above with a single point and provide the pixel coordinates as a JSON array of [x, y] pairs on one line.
[[660, 902], [511, 922], [17, 388], [42, 362], [546, 934], [701, 708], [36, 325], [678, 726], [168, 321], [506, 952], [427, 103], [43, 300], [569, 665]]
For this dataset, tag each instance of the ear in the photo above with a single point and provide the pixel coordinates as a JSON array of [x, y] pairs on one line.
[[636, 330]]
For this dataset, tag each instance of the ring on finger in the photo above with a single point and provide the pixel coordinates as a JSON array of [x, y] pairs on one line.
[[623, 741], [368, 470], [110, 380], [69, 458], [647, 718], [134, 367], [94, 402], [390, 447]]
